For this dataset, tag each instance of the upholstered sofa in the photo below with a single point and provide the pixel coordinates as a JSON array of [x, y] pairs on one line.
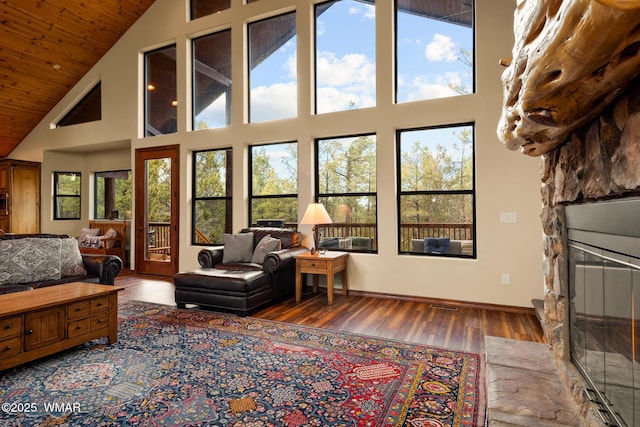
[[442, 246], [30, 261], [253, 268]]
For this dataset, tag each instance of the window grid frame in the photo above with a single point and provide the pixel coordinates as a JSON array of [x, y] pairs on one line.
[[57, 195], [401, 193]]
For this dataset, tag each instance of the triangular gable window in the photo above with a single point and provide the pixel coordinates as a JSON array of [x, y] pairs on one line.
[[88, 109]]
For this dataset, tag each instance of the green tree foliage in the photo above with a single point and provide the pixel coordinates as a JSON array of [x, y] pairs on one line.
[[213, 195], [440, 179], [159, 190], [68, 195], [274, 179], [347, 178]]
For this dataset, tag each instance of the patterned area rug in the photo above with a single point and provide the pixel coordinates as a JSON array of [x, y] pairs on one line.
[[175, 367]]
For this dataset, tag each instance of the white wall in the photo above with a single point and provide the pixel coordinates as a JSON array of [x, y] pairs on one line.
[[505, 181]]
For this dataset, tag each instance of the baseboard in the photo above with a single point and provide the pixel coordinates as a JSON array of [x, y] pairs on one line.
[[446, 302]]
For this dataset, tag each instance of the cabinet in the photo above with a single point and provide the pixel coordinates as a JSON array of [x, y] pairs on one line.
[[55, 318], [19, 196]]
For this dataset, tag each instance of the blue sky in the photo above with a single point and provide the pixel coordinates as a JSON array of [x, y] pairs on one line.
[[427, 53]]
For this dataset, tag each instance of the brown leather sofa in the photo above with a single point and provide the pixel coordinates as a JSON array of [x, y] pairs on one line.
[[242, 286], [99, 268]]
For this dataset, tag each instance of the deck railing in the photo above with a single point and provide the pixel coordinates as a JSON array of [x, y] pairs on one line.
[[409, 231]]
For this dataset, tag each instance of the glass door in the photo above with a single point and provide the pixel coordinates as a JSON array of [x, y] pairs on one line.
[[157, 211]]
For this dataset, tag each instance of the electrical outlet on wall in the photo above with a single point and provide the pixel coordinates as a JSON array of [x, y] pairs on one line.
[[506, 279], [508, 217]]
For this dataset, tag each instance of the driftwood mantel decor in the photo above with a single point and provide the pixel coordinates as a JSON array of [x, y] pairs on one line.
[[570, 60]]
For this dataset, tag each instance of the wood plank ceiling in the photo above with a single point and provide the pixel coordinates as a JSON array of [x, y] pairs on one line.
[[46, 46]]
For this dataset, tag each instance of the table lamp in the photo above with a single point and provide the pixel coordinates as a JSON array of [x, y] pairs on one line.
[[315, 214]]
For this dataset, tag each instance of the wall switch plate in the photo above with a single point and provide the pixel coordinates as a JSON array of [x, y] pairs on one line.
[[508, 217]]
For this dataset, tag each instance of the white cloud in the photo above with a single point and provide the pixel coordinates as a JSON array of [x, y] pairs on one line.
[[441, 49], [348, 70], [345, 82], [274, 102], [424, 88]]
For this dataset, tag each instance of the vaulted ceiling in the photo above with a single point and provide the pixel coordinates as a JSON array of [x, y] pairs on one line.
[[46, 46]]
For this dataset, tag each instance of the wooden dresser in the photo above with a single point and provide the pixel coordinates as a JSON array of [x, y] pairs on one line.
[[43, 321], [19, 196]]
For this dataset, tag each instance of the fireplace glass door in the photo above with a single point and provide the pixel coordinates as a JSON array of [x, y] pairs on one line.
[[604, 315]]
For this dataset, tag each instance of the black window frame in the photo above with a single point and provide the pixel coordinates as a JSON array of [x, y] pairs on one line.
[[400, 193], [251, 197], [57, 196], [228, 198], [320, 196], [96, 214]]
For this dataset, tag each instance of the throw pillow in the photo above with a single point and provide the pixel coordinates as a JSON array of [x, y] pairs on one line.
[[110, 234], [88, 232], [433, 245], [264, 246], [29, 260], [237, 247], [71, 259], [91, 242]]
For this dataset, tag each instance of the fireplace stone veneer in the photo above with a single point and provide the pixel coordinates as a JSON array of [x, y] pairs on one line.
[[600, 162]]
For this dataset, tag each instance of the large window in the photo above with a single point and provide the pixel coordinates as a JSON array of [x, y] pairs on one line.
[[273, 182], [212, 190], [345, 35], [273, 88], [434, 49], [436, 191], [66, 195], [212, 80], [346, 186], [160, 91], [112, 195]]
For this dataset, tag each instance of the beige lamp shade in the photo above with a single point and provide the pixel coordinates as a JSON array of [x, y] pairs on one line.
[[316, 214]]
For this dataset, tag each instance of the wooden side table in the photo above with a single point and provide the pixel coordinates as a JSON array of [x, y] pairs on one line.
[[328, 264]]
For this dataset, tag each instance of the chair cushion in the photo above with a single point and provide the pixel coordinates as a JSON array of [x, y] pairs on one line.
[[434, 245], [264, 246], [237, 247]]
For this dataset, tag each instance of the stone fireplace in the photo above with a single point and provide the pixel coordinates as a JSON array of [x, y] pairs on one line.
[[572, 97], [600, 162]]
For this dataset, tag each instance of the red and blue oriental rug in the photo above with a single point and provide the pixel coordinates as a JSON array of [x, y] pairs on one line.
[[175, 367]]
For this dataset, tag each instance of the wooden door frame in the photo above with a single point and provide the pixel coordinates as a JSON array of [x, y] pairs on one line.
[[145, 266]]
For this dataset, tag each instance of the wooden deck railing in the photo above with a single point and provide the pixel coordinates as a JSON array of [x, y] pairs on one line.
[[409, 231]]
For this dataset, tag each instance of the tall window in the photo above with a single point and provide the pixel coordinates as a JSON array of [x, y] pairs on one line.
[[346, 186], [434, 49], [66, 195], [273, 87], [212, 190], [212, 80], [437, 191], [160, 91], [112, 195], [345, 55], [273, 182]]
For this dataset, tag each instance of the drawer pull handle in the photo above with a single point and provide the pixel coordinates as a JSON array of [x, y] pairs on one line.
[[78, 309], [30, 331], [7, 348], [9, 326], [78, 327], [100, 320], [100, 304], [313, 264]]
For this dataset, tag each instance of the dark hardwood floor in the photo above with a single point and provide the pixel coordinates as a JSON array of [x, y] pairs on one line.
[[445, 326]]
